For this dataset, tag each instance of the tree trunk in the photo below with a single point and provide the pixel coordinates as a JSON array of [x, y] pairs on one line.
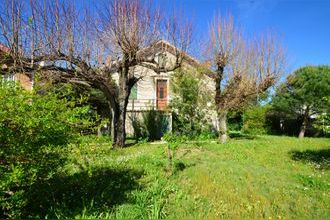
[[304, 124], [119, 110], [99, 131], [114, 122], [222, 121], [222, 114], [302, 132], [119, 130]]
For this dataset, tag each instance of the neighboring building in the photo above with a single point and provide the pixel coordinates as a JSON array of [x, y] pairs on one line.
[[25, 80]]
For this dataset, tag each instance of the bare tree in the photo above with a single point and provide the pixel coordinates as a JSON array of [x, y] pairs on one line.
[[242, 68], [131, 31], [82, 46]]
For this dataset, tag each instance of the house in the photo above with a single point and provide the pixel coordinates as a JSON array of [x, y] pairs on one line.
[[153, 90], [25, 80]]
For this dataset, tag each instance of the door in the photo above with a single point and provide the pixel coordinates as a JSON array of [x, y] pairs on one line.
[[161, 94]]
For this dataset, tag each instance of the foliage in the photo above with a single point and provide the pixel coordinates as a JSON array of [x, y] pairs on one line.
[[191, 103], [235, 120], [306, 92], [131, 25], [80, 95], [322, 121], [156, 123], [254, 120], [280, 123], [205, 136], [308, 86], [32, 130], [138, 127], [152, 126]]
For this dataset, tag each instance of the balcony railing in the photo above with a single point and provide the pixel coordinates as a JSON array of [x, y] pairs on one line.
[[146, 104]]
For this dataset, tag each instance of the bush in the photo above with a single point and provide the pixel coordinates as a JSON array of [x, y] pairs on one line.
[[191, 104], [235, 121], [152, 126], [138, 128], [321, 122], [156, 124], [32, 130], [254, 120]]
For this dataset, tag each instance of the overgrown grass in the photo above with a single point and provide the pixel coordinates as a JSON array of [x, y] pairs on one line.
[[264, 177]]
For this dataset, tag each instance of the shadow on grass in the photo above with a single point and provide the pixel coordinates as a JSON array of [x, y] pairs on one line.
[[239, 135], [87, 192], [131, 144], [319, 158]]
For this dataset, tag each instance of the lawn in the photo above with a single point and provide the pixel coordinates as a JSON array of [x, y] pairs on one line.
[[264, 177]]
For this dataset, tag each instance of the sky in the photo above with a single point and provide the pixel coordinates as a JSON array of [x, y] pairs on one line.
[[303, 26]]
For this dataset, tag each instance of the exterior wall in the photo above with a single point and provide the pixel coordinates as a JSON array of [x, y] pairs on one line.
[[146, 96], [24, 81], [146, 90], [146, 87]]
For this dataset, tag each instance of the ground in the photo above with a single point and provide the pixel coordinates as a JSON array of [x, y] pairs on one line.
[[260, 177]]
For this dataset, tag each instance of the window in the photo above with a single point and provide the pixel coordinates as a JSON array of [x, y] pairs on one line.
[[161, 93], [133, 95]]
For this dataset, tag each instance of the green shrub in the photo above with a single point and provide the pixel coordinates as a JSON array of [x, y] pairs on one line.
[[235, 121], [33, 128], [152, 126], [204, 136], [191, 104], [138, 128], [254, 120], [156, 124], [322, 123]]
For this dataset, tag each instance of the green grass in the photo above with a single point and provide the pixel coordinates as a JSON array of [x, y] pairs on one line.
[[265, 177]]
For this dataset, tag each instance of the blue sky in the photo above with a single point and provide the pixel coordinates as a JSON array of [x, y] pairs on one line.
[[303, 25]]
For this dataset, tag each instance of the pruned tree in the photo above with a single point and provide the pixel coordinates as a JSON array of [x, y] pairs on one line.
[[242, 68], [100, 49], [132, 32]]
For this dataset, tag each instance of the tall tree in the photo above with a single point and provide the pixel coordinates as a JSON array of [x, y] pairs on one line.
[[93, 47], [305, 93], [242, 68]]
